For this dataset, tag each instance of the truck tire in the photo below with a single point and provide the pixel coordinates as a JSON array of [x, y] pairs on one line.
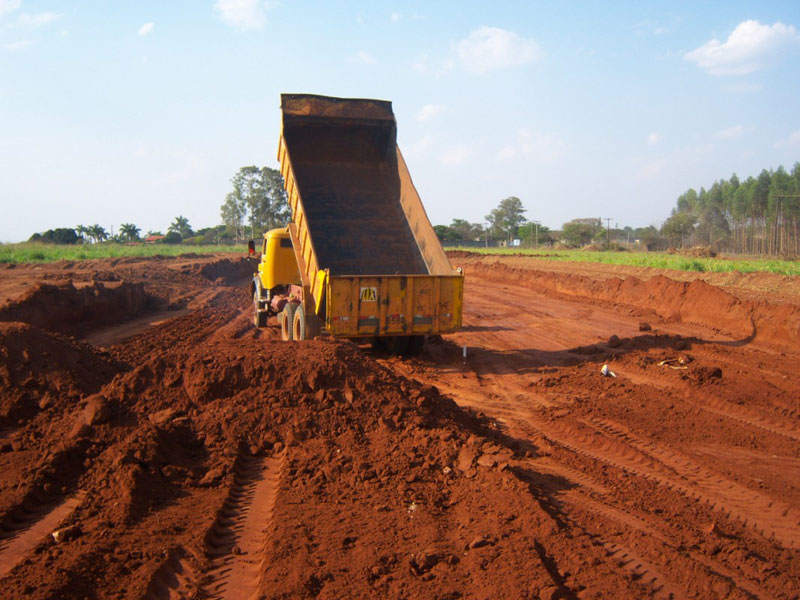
[[259, 315], [415, 345], [287, 319], [305, 327]]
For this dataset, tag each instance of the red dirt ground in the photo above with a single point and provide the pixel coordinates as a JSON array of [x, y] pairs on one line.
[[178, 452]]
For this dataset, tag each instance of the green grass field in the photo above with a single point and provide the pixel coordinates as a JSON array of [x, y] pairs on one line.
[[658, 260], [31, 252]]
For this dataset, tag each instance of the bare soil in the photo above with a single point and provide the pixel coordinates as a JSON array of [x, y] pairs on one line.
[[154, 444]]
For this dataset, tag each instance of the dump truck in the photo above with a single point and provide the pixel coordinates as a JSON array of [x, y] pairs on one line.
[[359, 258]]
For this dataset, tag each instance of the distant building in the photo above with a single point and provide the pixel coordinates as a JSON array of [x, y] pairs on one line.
[[152, 239]]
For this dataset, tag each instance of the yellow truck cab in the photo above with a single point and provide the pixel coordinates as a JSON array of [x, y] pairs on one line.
[[278, 265]]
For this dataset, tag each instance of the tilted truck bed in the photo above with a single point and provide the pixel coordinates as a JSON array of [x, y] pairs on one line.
[[367, 253]]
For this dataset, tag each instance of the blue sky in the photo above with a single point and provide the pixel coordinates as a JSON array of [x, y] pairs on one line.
[[115, 112]]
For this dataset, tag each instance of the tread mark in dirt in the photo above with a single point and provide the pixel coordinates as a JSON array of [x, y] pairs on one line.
[[33, 527], [725, 409], [770, 518], [643, 571], [174, 580], [237, 540]]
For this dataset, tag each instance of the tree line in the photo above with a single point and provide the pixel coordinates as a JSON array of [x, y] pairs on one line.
[[178, 231], [759, 215]]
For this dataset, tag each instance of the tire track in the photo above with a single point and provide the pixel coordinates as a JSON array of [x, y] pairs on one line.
[[643, 571], [237, 541], [174, 580], [29, 526], [772, 519]]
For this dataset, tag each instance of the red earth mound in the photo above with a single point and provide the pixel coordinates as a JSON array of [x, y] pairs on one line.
[[39, 370], [67, 309], [160, 447]]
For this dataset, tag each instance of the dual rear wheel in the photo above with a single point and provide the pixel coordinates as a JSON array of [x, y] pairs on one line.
[[297, 325]]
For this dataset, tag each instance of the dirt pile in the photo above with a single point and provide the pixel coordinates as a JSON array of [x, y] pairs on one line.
[[72, 310], [39, 370], [229, 271], [156, 452]]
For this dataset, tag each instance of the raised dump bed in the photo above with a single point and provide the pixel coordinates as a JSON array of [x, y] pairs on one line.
[[369, 262]]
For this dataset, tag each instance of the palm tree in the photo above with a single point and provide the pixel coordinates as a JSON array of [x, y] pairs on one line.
[[129, 232], [98, 233], [181, 226], [83, 232]]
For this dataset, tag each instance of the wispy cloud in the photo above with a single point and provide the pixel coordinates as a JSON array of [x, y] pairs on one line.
[[532, 146], [395, 17], [457, 155], [242, 14], [750, 47], [491, 48], [146, 28], [362, 58], [38, 19], [653, 139], [8, 6], [730, 133], [429, 111], [644, 28], [20, 45], [793, 139]]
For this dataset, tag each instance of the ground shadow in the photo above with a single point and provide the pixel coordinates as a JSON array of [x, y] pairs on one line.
[[447, 356]]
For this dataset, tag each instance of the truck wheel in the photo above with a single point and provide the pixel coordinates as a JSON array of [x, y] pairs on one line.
[[415, 344], [287, 318], [259, 316], [305, 327]]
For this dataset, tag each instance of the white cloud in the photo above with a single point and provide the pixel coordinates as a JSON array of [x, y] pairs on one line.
[[730, 133], [653, 139], [242, 14], [146, 28], [38, 19], [14, 46], [419, 148], [506, 153], [793, 139], [395, 17], [457, 155], [429, 111], [491, 48], [531, 146], [750, 47], [363, 58], [7, 6]]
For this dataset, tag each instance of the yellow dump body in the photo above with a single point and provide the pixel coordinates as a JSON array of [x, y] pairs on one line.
[[369, 260]]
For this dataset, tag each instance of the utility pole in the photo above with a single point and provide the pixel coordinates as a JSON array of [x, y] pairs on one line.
[[608, 230], [537, 223]]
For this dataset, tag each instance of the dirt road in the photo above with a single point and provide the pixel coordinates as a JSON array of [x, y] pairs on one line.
[[183, 453]]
